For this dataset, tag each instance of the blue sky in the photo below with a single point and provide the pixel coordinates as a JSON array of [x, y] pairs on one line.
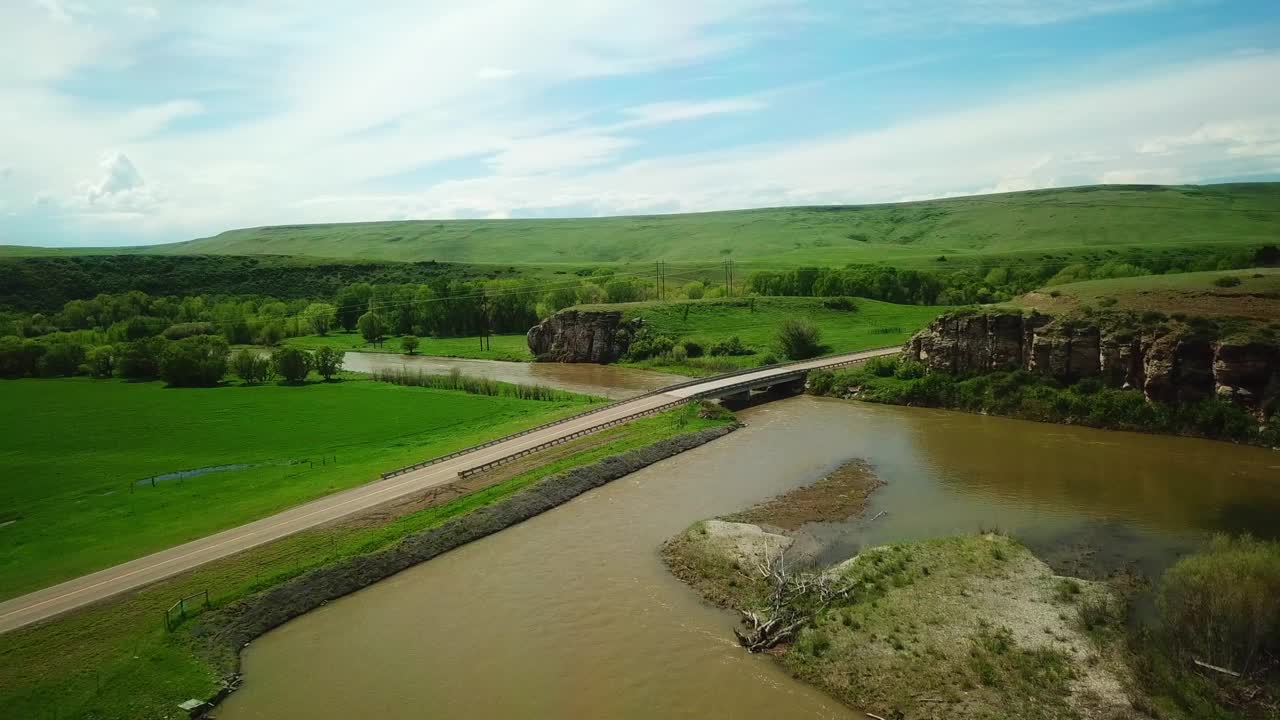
[[131, 122]]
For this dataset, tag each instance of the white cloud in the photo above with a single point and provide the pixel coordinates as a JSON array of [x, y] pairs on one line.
[[557, 153], [118, 188], [496, 73], [665, 112]]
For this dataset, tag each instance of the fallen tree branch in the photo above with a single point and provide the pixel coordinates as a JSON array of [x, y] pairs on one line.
[[1223, 670]]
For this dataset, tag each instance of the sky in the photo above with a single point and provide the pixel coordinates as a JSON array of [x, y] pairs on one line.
[[129, 122]]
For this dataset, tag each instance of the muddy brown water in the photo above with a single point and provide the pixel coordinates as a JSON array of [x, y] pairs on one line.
[[609, 381], [572, 613]]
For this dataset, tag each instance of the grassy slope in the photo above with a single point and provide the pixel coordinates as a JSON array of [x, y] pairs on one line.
[[1072, 222], [74, 448], [114, 660], [870, 324], [501, 347], [1257, 296]]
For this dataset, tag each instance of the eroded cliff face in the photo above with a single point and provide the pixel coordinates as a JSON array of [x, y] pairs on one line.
[[582, 336], [1170, 363]]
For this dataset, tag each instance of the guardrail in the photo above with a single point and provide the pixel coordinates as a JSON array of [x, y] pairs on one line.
[[574, 436], [652, 411], [607, 406]]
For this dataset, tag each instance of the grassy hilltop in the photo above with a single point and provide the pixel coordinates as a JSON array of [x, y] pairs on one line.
[[1071, 221]]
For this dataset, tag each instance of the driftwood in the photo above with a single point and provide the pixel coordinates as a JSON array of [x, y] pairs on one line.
[[1223, 670], [796, 598]]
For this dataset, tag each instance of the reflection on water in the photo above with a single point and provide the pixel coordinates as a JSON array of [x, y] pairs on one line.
[[608, 381], [572, 614]]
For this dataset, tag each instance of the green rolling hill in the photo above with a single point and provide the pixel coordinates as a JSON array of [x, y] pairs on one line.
[[1071, 222]]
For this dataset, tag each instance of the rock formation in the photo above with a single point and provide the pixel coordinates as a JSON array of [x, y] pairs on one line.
[[582, 336], [1169, 362]]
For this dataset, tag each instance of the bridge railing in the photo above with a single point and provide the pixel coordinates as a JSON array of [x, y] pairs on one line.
[[746, 384], [614, 404]]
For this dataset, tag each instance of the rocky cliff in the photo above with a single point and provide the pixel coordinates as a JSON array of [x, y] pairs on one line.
[[1169, 361], [582, 336]]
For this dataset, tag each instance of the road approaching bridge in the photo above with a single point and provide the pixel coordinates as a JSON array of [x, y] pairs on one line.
[[87, 589]]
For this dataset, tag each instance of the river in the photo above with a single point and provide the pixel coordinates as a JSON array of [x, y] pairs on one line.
[[609, 381], [572, 614]]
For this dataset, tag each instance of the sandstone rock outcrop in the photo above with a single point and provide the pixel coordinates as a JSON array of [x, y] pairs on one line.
[[1170, 363], [576, 336]]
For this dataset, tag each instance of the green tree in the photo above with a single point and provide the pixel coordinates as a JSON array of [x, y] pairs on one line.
[[409, 343], [102, 361], [371, 327], [352, 302], [799, 339], [327, 362], [694, 290], [320, 317], [62, 357], [19, 357], [198, 361], [291, 364], [271, 333], [141, 359], [250, 366]]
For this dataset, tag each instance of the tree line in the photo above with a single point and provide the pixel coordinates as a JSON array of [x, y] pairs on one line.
[[196, 361]]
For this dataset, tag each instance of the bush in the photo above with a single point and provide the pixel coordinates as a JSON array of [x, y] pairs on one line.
[[840, 303], [198, 361], [881, 366], [141, 359], [768, 359], [909, 370], [101, 361], [250, 366], [327, 362], [731, 346], [291, 364], [1227, 281], [61, 358], [694, 290], [409, 343], [678, 354], [799, 339], [19, 357], [1222, 605], [186, 330], [692, 348], [646, 345]]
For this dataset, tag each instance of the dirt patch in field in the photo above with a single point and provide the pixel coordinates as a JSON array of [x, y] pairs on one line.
[[836, 497]]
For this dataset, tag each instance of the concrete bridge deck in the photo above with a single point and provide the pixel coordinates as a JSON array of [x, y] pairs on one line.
[[87, 589]]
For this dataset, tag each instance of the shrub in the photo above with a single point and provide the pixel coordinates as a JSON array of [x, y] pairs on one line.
[[881, 366], [678, 354], [768, 359], [692, 348], [409, 343], [101, 361], [198, 361], [799, 339], [1222, 605], [840, 303], [19, 357], [909, 370], [327, 362], [141, 359], [646, 345], [291, 364], [250, 366], [694, 290], [1227, 281], [731, 346], [61, 357], [186, 330]]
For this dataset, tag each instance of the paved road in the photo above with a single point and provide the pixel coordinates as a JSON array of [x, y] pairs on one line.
[[131, 575]]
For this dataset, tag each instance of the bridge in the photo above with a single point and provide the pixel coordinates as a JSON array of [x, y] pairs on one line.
[[87, 589]]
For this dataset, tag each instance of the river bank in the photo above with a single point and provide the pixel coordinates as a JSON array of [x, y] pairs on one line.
[[1024, 396], [576, 611], [963, 627]]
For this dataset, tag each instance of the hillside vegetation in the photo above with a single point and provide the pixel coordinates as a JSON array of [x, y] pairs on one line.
[[1072, 222], [1252, 293]]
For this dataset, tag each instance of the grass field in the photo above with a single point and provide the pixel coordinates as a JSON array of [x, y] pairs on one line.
[[1070, 223], [1256, 297], [115, 661], [501, 347], [76, 450], [869, 324]]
